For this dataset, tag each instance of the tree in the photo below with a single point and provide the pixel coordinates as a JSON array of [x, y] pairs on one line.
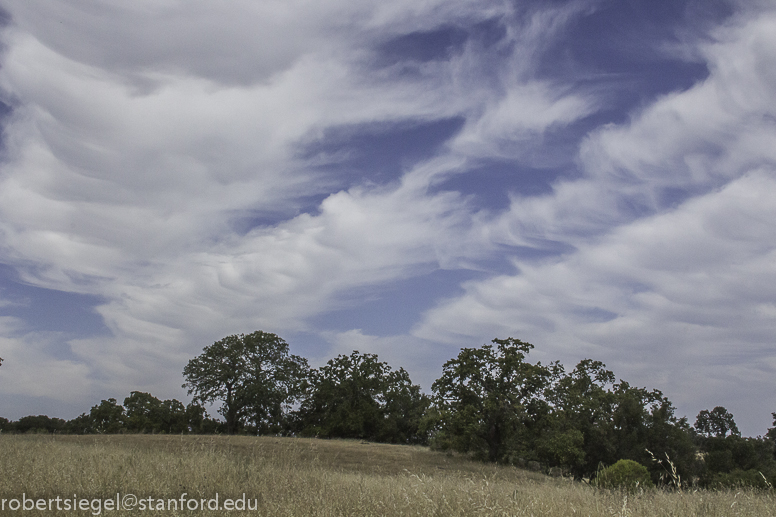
[[199, 421], [578, 435], [82, 424], [357, 396], [142, 412], [148, 414], [39, 424], [645, 425], [254, 377], [404, 407], [488, 399], [718, 423], [771, 433], [108, 417]]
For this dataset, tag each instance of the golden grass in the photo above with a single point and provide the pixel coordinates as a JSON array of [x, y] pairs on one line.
[[308, 477]]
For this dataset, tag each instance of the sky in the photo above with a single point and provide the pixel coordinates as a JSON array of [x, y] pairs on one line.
[[405, 178]]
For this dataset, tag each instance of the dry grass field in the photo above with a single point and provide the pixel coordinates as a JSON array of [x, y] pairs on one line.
[[308, 477]]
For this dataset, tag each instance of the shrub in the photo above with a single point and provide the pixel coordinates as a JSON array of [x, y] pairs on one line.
[[625, 474], [738, 478]]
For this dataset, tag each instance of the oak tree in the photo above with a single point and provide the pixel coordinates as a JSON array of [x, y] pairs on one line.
[[254, 377]]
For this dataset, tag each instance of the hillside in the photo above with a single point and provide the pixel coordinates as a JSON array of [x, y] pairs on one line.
[[310, 477]]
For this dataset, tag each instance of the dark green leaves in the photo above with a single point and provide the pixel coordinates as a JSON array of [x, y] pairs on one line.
[[357, 396], [254, 377]]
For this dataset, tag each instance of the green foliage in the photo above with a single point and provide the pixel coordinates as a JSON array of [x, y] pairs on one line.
[[626, 475], [39, 424], [718, 423], [82, 424], [254, 376], [732, 460], [771, 434], [357, 396], [148, 414], [493, 403], [643, 421], [141, 413], [582, 403], [561, 448], [487, 398], [200, 422], [108, 417], [738, 478], [490, 402]]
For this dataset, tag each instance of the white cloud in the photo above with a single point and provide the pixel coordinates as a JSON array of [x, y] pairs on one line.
[[419, 357], [29, 368], [692, 141]]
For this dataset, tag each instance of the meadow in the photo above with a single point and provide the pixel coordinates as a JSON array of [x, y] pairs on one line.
[[313, 477]]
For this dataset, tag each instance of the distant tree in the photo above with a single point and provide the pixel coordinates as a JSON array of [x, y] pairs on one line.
[[404, 407], [148, 414], [578, 433], [254, 377], [488, 399], [643, 421], [718, 423], [172, 418], [771, 433], [731, 461], [108, 417], [199, 422], [82, 424], [357, 396], [143, 411], [38, 424]]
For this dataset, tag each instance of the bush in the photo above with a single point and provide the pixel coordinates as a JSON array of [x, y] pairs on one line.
[[738, 478], [625, 474]]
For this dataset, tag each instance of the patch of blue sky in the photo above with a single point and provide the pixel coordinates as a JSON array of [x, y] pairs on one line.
[[394, 308], [422, 46], [353, 155], [378, 153], [243, 221], [439, 44], [308, 344], [49, 310], [491, 183], [632, 49]]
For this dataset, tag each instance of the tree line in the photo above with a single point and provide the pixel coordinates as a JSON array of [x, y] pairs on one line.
[[491, 403]]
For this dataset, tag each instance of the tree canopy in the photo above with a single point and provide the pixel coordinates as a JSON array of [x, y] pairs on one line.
[[488, 397], [254, 377], [718, 423], [357, 396]]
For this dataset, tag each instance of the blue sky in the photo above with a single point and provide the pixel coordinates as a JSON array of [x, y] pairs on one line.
[[403, 178]]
